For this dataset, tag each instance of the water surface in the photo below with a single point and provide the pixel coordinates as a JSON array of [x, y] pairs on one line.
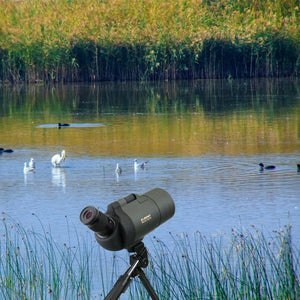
[[203, 140]]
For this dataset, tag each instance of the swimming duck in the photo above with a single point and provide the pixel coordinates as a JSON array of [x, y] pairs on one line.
[[59, 125], [138, 166], [2, 150], [30, 166], [298, 167], [27, 169], [262, 167], [31, 163], [58, 158]]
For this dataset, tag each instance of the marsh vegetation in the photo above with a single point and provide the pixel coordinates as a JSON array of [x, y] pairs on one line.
[[74, 40], [247, 265]]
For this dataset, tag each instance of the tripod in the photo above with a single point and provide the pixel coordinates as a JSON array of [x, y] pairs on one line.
[[137, 262]]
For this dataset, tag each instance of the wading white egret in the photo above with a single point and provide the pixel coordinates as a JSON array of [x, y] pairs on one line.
[[58, 158]]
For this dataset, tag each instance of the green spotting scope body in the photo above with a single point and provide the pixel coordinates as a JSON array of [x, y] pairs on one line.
[[129, 219]]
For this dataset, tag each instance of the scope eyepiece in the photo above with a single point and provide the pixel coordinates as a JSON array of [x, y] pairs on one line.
[[89, 215], [97, 221]]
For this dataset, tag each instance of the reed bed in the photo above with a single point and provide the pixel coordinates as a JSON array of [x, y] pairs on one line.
[[248, 265], [34, 266], [93, 40]]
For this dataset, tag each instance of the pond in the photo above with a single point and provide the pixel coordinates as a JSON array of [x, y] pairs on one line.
[[203, 140]]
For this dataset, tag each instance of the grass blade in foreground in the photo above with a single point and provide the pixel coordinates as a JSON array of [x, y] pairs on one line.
[[249, 265]]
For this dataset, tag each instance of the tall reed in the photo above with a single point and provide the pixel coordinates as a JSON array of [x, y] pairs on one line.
[[73, 40], [34, 266], [247, 265]]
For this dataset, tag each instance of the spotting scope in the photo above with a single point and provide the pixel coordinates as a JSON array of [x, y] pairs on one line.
[[128, 220]]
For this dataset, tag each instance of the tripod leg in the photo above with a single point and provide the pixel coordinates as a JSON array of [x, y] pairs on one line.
[[137, 261], [141, 274], [122, 284]]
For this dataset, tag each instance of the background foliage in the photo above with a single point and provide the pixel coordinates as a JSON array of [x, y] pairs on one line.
[[92, 40]]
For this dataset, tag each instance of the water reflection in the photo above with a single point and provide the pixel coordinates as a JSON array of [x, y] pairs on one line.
[[182, 118], [201, 96], [59, 177], [28, 177]]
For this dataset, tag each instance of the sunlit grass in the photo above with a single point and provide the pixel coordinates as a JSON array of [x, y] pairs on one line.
[[107, 40]]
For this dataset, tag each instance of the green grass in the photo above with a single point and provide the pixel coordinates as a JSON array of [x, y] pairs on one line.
[[246, 265], [34, 266], [92, 40], [249, 266]]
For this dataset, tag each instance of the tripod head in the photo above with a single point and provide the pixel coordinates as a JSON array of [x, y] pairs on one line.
[[141, 255]]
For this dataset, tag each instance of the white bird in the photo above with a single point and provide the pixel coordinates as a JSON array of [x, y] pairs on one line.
[[29, 167], [118, 170], [31, 163], [58, 158], [138, 166]]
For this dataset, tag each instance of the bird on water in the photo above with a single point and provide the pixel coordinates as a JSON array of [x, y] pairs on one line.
[[58, 158], [2, 150], [138, 166], [30, 166], [59, 125], [31, 163], [262, 167], [118, 170]]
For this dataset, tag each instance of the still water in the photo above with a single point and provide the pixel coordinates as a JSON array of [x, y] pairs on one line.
[[203, 141]]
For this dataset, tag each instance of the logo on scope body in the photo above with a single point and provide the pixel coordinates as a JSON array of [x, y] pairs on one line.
[[146, 219]]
